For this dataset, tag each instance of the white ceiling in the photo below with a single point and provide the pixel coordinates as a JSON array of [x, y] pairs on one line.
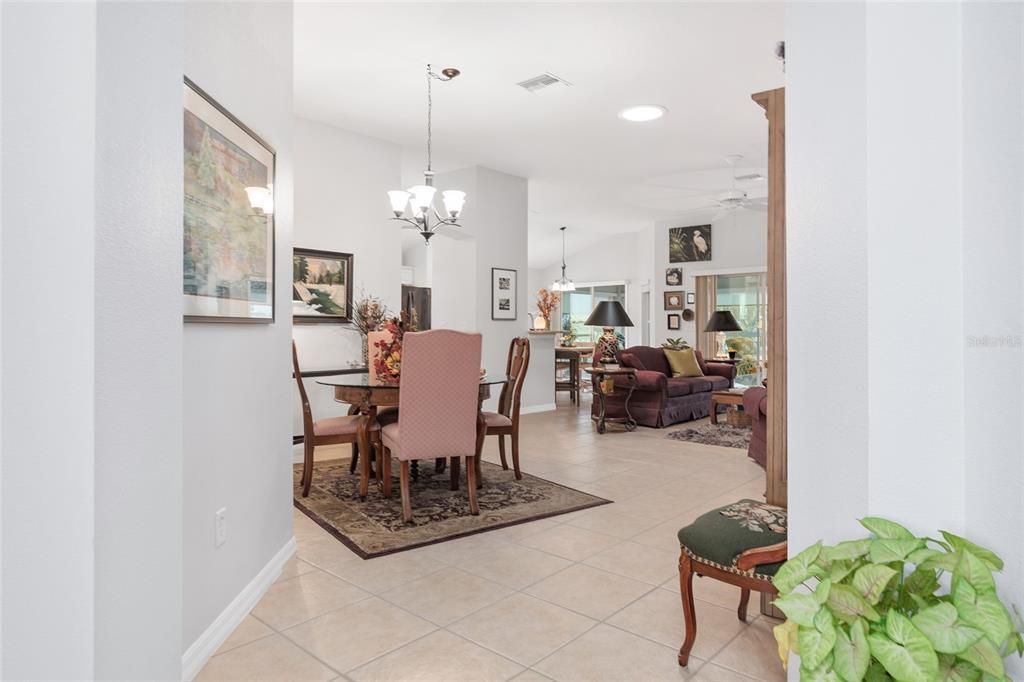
[[360, 66]]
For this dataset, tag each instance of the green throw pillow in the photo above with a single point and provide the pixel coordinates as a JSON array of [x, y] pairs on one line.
[[683, 363]]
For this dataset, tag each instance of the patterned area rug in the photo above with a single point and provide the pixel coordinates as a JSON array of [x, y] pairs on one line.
[[375, 527], [714, 434]]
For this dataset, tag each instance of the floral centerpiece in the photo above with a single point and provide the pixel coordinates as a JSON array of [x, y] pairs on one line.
[[546, 302], [368, 314]]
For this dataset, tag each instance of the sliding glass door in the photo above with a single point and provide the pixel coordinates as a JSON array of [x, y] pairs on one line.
[[746, 297], [577, 306]]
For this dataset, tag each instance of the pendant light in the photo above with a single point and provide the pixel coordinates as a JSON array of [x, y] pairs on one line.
[[563, 284], [415, 206]]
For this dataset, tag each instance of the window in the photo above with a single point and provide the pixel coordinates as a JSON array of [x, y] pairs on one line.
[[746, 297], [577, 306]]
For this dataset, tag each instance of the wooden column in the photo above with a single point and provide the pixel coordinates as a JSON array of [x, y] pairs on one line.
[[774, 104]]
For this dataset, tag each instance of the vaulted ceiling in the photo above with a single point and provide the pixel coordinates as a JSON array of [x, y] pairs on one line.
[[360, 66]]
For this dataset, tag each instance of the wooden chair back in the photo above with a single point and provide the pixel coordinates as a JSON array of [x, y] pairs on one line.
[[515, 370], [307, 412]]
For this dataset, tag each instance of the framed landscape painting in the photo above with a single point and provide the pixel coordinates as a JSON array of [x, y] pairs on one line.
[[321, 286], [689, 244], [503, 294], [228, 245]]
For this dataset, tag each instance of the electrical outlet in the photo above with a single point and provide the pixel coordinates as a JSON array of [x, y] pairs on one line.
[[220, 526]]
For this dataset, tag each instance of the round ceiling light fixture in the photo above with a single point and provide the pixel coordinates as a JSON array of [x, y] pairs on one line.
[[642, 113]]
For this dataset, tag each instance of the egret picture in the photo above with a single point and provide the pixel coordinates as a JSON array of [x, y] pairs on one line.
[[689, 244], [228, 266], [321, 286]]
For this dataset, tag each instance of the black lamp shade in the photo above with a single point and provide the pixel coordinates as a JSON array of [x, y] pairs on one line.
[[722, 321], [609, 314]]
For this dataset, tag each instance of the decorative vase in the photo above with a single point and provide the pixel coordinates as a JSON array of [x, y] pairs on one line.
[[385, 351], [540, 323]]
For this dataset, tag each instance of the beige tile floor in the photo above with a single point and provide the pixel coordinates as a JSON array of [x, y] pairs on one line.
[[587, 596]]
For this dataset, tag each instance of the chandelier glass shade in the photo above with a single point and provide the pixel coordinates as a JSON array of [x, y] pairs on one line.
[[415, 206], [563, 283]]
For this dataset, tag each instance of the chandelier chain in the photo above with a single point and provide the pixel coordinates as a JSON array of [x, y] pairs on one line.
[[430, 110]]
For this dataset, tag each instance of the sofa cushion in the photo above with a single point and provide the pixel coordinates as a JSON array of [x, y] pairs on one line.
[[651, 358], [683, 362], [697, 384], [721, 535], [717, 383], [678, 386], [630, 360]]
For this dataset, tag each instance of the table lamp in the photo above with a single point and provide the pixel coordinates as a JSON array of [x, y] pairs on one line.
[[722, 321], [608, 314]]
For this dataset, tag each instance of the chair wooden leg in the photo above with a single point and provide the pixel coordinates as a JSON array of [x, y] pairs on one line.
[[307, 466], [385, 469], [404, 483], [515, 455], [355, 458], [453, 473], [741, 612], [501, 451], [689, 609], [367, 458], [471, 485]]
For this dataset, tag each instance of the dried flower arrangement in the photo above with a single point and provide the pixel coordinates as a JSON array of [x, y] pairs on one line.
[[368, 314], [387, 365], [546, 302]]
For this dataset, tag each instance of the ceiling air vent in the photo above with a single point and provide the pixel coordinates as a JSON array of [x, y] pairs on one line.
[[542, 81]]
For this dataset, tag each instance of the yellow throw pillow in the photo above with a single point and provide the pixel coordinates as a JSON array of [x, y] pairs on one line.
[[683, 363]]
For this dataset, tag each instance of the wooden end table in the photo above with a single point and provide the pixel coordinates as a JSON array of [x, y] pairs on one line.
[[730, 397], [598, 375]]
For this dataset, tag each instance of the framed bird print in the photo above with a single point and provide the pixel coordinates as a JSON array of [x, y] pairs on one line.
[[689, 244]]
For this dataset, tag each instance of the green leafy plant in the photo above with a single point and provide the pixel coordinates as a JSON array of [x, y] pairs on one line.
[[880, 608], [675, 343]]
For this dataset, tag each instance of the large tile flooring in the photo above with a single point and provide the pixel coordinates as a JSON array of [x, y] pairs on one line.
[[586, 596]]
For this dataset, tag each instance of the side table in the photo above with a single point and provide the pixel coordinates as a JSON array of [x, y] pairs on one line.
[[732, 397], [603, 381]]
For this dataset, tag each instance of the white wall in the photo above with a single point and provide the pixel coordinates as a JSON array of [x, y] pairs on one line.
[[739, 243], [92, 481], [341, 205], [934, 449], [237, 378]]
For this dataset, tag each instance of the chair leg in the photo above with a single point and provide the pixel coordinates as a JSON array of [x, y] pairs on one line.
[[453, 473], [355, 458], [515, 455], [385, 469], [471, 485], [741, 612], [307, 466], [404, 483], [689, 609], [501, 451]]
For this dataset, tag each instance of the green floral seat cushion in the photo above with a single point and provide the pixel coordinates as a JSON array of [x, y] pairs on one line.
[[722, 534]]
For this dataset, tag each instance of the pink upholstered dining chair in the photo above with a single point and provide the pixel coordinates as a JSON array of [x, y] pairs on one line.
[[505, 422], [330, 431], [438, 407]]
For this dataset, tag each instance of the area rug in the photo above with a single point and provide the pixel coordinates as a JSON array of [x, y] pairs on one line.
[[374, 528], [714, 434]]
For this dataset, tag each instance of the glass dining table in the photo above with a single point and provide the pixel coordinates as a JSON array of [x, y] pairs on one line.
[[367, 394]]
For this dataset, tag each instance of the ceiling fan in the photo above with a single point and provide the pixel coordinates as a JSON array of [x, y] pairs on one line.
[[734, 198]]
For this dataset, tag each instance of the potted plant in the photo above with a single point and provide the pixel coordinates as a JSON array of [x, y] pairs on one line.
[[675, 344], [894, 606]]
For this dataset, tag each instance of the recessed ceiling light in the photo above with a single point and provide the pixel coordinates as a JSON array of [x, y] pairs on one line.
[[642, 113]]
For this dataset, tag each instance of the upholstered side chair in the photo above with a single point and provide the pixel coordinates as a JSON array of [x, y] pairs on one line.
[[438, 408], [505, 422], [331, 431], [742, 544]]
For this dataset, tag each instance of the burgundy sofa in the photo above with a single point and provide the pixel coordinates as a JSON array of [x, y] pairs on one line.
[[755, 403], [661, 400]]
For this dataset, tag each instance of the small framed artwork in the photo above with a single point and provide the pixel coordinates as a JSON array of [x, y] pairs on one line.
[[321, 286], [691, 298], [673, 322], [689, 244], [673, 277], [504, 286], [228, 273], [673, 300]]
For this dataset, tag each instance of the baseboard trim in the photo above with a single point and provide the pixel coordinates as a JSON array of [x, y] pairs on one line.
[[197, 655], [533, 409]]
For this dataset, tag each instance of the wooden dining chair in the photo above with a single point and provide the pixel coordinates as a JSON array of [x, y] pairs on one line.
[[330, 431], [505, 422], [438, 408]]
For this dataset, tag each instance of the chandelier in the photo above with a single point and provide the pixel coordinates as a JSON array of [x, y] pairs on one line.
[[563, 284], [415, 206]]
